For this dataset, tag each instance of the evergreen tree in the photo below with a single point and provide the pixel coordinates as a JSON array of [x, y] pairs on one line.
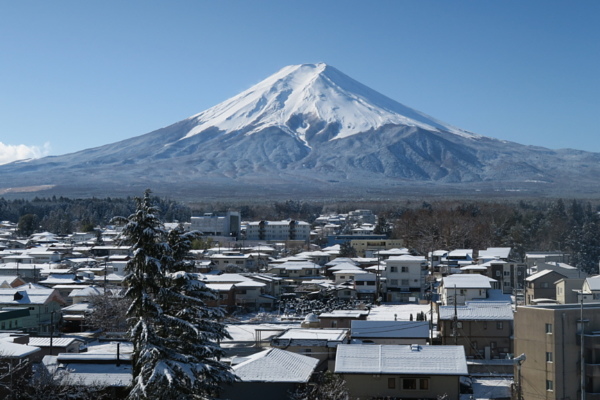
[[175, 334]]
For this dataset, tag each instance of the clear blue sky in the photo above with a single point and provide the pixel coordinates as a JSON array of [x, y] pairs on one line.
[[78, 74]]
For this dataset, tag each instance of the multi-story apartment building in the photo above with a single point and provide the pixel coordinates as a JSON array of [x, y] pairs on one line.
[[550, 337], [405, 277], [278, 230]]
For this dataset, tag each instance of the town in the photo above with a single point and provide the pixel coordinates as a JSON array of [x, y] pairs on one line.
[[376, 319]]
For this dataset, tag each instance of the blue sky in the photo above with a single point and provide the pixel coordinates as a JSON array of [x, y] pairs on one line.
[[79, 74]]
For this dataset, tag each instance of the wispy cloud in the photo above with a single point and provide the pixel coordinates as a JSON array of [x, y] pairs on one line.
[[10, 153]]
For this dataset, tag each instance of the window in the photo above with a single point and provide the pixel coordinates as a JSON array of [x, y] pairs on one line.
[[548, 328], [493, 345], [404, 269], [409, 384], [342, 276], [391, 383], [497, 273], [506, 273], [424, 384], [549, 356], [549, 385], [499, 325], [485, 325], [405, 282], [544, 285], [394, 269]]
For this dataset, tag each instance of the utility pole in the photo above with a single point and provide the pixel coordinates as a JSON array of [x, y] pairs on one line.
[[581, 355], [455, 320]]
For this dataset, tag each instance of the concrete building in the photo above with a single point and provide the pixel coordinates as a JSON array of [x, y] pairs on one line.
[[210, 224], [550, 337], [405, 277], [278, 230]]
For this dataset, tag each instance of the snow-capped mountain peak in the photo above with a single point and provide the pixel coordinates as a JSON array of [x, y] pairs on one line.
[[299, 96]]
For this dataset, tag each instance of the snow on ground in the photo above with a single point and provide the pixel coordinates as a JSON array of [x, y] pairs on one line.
[[399, 312], [490, 388]]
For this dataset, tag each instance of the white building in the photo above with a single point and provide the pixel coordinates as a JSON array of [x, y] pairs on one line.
[[209, 224], [404, 275], [278, 230]]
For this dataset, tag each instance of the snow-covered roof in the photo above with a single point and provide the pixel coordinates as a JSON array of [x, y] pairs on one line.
[[15, 350], [344, 314], [28, 296], [91, 373], [593, 282], [343, 266], [540, 274], [56, 341], [467, 281], [495, 252], [87, 292], [400, 359], [389, 329], [478, 311], [275, 365], [333, 335]]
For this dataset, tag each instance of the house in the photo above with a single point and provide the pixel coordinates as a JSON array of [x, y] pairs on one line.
[[532, 259], [562, 268], [390, 332], [458, 258], [233, 262], [405, 277], [341, 318], [110, 369], [568, 290], [43, 305], [483, 328], [466, 287], [248, 293], [510, 275], [346, 275], [541, 286], [54, 346], [369, 286], [590, 290], [271, 375], [551, 336], [11, 281], [15, 362], [495, 253], [317, 343], [401, 371], [296, 270]]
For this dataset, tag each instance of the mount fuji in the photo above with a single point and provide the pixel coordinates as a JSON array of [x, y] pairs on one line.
[[308, 130]]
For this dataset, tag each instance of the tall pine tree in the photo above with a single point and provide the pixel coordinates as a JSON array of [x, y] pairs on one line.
[[175, 334]]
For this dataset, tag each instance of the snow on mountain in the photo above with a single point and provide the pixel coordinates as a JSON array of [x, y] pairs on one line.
[[308, 129], [299, 96]]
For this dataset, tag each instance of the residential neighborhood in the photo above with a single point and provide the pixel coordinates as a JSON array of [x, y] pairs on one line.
[[388, 323]]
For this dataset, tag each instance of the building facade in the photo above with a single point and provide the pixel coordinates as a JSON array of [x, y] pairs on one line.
[[550, 337]]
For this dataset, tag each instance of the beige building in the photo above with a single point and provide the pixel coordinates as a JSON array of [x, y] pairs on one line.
[[401, 371], [368, 247], [549, 336]]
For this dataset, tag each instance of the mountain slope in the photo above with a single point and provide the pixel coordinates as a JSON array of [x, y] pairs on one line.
[[308, 129]]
